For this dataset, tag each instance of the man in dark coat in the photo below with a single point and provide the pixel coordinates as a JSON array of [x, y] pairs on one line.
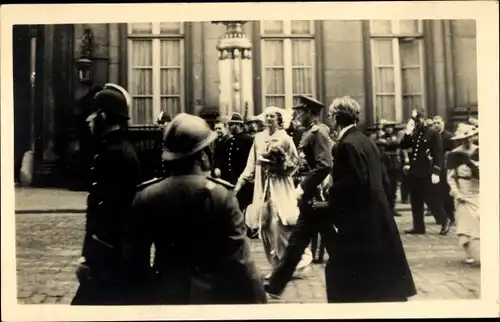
[[223, 166], [424, 170], [115, 173], [388, 143], [448, 145], [315, 150], [367, 262], [202, 255], [238, 156]]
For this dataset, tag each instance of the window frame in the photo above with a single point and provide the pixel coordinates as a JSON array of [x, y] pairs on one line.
[[156, 37], [396, 35], [286, 37]]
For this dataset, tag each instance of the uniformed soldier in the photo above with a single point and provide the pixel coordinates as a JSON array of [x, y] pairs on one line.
[[389, 147], [201, 253], [238, 156], [315, 148], [115, 173], [423, 170], [223, 165]]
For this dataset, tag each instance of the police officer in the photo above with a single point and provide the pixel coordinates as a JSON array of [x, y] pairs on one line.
[[388, 143], [315, 148], [238, 156], [201, 253], [223, 164], [115, 173], [423, 170]]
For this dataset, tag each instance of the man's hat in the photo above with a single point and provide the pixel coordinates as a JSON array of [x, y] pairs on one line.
[[385, 123], [309, 103], [236, 118], [254, 119]]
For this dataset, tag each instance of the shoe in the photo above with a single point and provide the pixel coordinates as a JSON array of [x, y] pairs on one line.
[[415, 232], [445, 227], [269, 293], [428, 214]]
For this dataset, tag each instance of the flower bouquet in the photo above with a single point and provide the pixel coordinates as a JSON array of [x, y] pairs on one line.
[[276, 162]]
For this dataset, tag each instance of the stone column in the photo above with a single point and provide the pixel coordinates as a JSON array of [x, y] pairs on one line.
[[235, 69]]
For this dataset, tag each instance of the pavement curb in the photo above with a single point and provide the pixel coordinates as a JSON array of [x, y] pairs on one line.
[[50, 211]]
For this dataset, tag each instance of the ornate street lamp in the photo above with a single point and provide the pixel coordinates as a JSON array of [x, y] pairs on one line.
[[84, 63]]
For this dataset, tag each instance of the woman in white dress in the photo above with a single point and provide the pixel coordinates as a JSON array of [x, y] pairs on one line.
[[274, 202], [463, 178]]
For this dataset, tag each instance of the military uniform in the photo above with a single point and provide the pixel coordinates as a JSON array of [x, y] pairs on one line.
[[202, 255], [425, 148], [115, 174], [315, 147], [224, 155]]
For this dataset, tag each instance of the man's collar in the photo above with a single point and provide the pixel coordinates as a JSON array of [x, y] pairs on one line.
[[344, 130]]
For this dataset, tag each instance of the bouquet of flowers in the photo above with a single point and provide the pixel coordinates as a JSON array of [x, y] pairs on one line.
[[276, 162]]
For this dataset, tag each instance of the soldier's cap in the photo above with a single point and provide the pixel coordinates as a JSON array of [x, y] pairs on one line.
[[236, 118], [186, 135], [308, 103]]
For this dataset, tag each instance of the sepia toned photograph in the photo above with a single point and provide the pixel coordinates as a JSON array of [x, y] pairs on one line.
[[243, 162]]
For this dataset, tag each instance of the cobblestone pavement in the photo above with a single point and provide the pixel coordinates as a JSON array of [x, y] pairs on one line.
[[49, 244]]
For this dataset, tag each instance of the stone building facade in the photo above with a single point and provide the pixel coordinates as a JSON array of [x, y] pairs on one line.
[[390, 67]]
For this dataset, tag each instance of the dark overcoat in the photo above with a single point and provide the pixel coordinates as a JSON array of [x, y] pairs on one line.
[[202, 254], [368, 262], [115, 174]]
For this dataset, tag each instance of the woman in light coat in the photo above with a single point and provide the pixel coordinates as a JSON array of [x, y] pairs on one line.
[[274, 202], [463, 178]]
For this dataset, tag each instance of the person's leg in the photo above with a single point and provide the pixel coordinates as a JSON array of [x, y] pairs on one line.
[[434, 201], [298, 241], [417, 205]]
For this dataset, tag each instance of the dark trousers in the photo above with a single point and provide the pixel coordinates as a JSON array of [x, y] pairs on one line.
[[447, 199], [393, 181], [308, 224], [405, 191], [422, 190]]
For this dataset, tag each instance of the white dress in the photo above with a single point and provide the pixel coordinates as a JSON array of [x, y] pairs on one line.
[[279, 202]]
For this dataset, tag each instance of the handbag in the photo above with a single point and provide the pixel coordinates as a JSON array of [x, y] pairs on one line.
[[253, 213]]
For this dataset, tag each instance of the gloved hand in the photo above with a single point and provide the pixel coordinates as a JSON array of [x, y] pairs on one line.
[[217, 173], [299, 192], [435, 179], [410, 126]]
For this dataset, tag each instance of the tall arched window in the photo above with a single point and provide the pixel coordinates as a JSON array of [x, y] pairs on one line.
[[155, 70], [288, 54], [398, 67]]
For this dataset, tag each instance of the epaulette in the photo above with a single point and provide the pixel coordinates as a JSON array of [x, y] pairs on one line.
[[314, 128], [145, 184], [211, 181]]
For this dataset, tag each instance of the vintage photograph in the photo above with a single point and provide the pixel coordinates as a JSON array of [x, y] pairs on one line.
[[246, 162], [168, 163]]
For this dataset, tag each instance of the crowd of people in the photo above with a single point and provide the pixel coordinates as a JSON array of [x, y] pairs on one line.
[[284, 177]]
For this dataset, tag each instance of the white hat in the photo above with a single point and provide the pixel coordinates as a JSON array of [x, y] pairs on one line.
[[464, 131]]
